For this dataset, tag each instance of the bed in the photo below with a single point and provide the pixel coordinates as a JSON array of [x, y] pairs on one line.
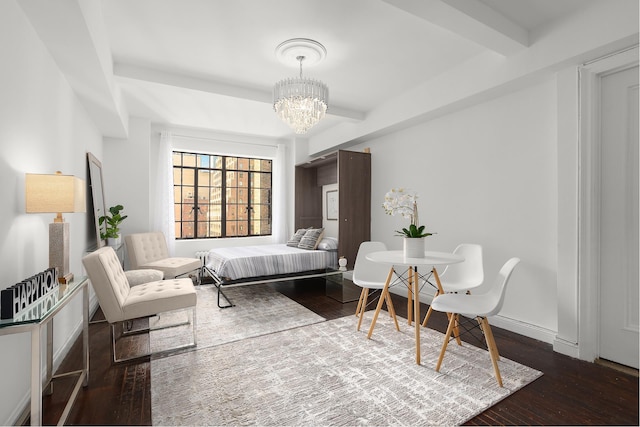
[[245, 265]]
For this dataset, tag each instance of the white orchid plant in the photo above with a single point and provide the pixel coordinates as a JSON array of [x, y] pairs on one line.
[[401, 201]]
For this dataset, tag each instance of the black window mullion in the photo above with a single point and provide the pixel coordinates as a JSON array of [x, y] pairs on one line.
[[223, 198], [249, 203], [195, 202]]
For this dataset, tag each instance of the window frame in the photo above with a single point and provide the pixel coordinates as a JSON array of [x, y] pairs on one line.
[[228, 166]]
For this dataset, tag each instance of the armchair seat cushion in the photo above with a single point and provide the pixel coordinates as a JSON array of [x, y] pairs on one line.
[[173, 267], [152, 298], [138, 277]]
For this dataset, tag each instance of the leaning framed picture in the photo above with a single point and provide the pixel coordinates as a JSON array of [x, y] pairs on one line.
[[332, 205]]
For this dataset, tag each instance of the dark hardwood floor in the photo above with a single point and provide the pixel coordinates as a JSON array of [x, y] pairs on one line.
[[571, 392]]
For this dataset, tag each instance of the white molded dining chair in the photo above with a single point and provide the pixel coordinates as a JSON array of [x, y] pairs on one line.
[[463, 276], [480, 307], [370, 275]]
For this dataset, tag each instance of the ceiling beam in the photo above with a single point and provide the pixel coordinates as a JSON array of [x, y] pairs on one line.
[[73, 32], [156, 76], [472, 20]]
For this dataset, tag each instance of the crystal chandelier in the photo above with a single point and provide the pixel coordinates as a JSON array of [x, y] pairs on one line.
[[300, 102]]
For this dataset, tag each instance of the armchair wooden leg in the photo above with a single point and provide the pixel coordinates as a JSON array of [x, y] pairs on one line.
[[491, 345], [452, 321]]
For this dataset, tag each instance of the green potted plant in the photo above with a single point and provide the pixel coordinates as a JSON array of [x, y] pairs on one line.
[[111, 222]]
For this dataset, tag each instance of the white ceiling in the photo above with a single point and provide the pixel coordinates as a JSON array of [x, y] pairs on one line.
[[210, 64]]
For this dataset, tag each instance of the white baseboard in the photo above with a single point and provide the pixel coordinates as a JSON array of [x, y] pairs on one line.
[[512, 325], [523, 328], [567, 348]]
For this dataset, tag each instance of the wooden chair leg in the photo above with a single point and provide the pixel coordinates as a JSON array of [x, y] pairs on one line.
[[364, 296], [493, 340], [490, 332], [426, 317], [362, 293], [410, 297], [447, 336], [456, 330], [491, 345], [392, 310], [383, 295]]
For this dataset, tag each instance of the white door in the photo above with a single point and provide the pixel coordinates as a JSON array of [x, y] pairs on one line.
[[619, 297]]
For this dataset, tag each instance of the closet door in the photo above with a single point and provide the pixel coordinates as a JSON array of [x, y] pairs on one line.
[[354, 200]]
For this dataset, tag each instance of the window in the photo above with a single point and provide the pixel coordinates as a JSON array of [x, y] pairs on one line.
[[221, 196]]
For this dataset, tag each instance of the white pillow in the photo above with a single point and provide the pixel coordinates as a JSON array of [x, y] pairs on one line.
[[328, 244]]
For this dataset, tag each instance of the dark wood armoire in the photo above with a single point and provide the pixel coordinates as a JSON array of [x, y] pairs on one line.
[[351, 171]]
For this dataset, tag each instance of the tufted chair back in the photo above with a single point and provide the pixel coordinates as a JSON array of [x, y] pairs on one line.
[[109, 281], [144, 248]]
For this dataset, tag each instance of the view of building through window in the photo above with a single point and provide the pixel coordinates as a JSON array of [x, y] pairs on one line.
[[221, 196]]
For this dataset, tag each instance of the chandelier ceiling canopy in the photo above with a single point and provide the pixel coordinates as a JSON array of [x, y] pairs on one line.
[[300, 102]]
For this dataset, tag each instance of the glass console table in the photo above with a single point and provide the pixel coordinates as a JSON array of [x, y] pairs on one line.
[[34, 320]]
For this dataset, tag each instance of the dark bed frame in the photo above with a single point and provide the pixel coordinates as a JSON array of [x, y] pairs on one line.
[[221, 283]]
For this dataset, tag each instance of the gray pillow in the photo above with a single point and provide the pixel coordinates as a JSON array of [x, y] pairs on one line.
[[295, 239], [311, 238]]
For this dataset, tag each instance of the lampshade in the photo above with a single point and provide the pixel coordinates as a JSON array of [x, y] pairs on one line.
[[54, 193]]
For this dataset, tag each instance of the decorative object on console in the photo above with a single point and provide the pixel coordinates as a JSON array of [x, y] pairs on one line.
[[17, 299], [56, 193], [111, 222], [300, 102], [404, 202], [342, 262]]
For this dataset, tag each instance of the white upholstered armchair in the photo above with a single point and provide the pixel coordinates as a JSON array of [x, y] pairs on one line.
[[149, 250], [121, 302]]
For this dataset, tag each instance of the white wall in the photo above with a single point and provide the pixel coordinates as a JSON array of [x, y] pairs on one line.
[[486, 175], [43, 128]]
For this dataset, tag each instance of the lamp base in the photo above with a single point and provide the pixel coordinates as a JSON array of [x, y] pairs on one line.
[[59, 249]]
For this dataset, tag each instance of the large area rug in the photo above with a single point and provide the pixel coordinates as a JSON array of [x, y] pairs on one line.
[[259, 310], [327, 373]]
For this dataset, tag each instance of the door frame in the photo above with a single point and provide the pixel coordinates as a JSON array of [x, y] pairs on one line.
[[589, 196]]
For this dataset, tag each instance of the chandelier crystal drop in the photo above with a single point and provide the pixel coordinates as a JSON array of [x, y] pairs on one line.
[[300, 102]]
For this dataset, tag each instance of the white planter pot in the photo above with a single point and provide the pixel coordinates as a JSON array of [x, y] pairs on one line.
[[414, 247], [114, 242]]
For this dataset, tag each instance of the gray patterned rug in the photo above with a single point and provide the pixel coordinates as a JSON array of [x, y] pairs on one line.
[[259, 310], [329, 374]]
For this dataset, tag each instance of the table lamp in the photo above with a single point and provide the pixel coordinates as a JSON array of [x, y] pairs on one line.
[[46, 193]]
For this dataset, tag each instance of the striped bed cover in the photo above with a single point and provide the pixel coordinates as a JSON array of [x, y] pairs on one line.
[[266, 260]]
